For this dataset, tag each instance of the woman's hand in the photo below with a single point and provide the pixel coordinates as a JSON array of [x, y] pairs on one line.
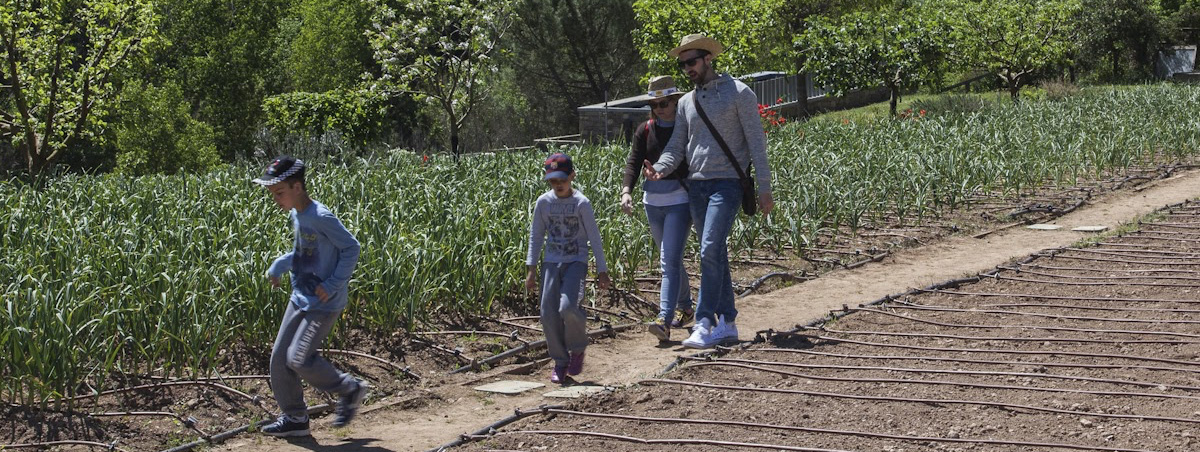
[[627, 203]]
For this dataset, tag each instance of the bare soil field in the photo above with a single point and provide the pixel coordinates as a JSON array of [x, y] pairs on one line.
[[1097, 373]]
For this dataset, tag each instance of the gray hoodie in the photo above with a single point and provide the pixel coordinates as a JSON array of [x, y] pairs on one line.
[[733, 109]]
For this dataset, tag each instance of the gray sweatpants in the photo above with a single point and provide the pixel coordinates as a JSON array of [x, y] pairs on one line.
[[295, 357], [563, 321]]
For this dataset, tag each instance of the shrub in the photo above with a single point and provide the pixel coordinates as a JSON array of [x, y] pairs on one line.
[[155, 133]]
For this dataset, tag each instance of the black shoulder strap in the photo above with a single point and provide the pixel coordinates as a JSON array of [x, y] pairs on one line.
[[717, 135]]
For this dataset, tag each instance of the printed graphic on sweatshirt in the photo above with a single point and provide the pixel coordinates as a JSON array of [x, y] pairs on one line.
[[305, 261], [564, 230]]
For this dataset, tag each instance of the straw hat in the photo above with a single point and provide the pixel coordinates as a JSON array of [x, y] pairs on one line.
[[697, 41], [662, 86]]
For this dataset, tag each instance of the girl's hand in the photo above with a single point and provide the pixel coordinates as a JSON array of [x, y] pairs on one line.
[[627, 203]]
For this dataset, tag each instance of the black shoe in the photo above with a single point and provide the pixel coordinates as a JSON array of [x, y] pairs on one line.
[[348, 404], [285, 426]]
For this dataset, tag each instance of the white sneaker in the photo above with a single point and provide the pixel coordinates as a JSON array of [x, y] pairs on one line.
[[724, 332], [702, 336]]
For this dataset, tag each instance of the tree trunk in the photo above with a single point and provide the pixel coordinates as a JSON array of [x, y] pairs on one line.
[[895, 92], [1014, 88], [801, 87]]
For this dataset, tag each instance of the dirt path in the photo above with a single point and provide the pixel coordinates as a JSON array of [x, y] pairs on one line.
[[421, 421]]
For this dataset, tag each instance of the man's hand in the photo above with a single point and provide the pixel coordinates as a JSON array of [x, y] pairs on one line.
[[627, 203], [649, 173], [602, 280], [766, 203]]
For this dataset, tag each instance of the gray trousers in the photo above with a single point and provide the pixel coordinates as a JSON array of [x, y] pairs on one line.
[[295, 357], [563, 321]]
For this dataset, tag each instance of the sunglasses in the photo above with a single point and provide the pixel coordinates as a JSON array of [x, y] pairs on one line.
[[684, 64], [663, 104]]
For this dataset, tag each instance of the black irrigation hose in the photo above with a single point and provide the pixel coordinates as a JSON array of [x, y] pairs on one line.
[[1098, 283], [1148, 384], [607, 330], [901, 304], [751, 364], [491, 429], [678, 441], [783, 275], [219, 437], [187, 421], [918, 400], [832, 431], [43, 445], [1011, 338], [402, 369], [1056, 275], [1060, 297], [1026, 327], [1027, 352], [1088, 308]]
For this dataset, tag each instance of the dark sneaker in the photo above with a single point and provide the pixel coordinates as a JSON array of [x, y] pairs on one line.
[[285, 426], [558, 374], [576, 365], [348, 404], [683, 317], [659, 329]]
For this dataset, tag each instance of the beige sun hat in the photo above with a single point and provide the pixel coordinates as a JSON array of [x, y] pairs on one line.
[[662, 86], [697, 41]]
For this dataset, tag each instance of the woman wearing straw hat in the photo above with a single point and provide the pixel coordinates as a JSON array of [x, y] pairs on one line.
[[719, 133], [666, 203]]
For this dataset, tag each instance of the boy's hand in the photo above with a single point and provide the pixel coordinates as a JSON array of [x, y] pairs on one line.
[[322, 294], [603, 281], [274, 282], [530, 280]]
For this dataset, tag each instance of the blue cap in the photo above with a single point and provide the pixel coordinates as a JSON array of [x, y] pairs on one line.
[[559, 166]]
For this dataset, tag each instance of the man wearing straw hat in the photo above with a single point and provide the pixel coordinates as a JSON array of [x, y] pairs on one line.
[[719, 134]]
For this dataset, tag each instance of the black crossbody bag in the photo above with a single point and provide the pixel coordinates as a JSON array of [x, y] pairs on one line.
[[749, 197]]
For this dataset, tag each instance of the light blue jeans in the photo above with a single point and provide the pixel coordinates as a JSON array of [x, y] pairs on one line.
[[715, 204], [670, 226], [294, 358], [563, 321]]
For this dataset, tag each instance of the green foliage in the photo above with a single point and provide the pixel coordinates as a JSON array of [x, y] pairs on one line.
[[357, 115], [329, 51], [1013, 39], [440, 51], [1125, 32], [57, 63], [156, 134], [752, 33], [858, 51], [568, 53], [1182, 24]]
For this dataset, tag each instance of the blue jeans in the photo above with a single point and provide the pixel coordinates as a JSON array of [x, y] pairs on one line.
[[670, 226], [563, 321], [715, 204], [294, 358]]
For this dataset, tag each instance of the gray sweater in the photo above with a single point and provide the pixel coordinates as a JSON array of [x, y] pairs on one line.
[[733, 109], [568, 228]]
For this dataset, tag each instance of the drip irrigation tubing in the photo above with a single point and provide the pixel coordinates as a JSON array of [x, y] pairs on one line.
[[43, 445], [607, 330], [906, 305], [512, 324], [377, 359], [165, 384], [491, 428], [678, 441], [1089, 308], [1140, 248], [1123, 270], [456, 353], [219, 437], [979, 326], [835, 432], [1011, 406], [1124, 253], [783, 275], [750, 364], [1061, 297], [511, 336], [1148, 384], [1010, 338], [1139, 235], [187, 421], [1120, 261], [1099, 283], [1030, 352], [1108, 278]]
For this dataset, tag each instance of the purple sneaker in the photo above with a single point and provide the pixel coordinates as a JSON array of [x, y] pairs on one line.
[[576, 365], [558, 374]]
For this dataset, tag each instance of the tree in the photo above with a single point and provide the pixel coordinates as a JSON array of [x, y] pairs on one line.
[[1120, 30], [795, 15], [441, 51], [155, 132], [573, 52], [864, 50], [329, 51], [58, 64], [1013, 39], [752, 33]]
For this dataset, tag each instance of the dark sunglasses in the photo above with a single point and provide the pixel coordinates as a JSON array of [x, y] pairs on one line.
[[684, 64], [663, 104]]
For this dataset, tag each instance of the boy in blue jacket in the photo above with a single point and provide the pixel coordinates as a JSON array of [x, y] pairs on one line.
[[320, 263]]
